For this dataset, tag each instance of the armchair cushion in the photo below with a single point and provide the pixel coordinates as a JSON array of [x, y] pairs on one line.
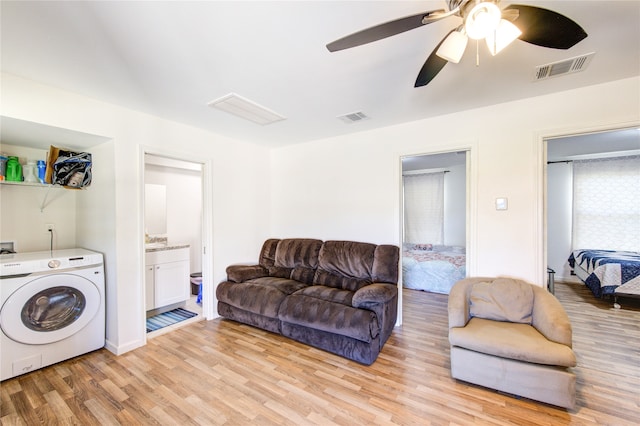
[[502, 300], [511, 340]]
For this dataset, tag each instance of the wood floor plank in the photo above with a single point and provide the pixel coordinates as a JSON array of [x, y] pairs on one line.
[[223, 373]]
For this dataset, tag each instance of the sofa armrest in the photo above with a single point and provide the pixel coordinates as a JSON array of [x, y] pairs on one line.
[[550, 318], [374, 293], [242, 273], [382, 299]]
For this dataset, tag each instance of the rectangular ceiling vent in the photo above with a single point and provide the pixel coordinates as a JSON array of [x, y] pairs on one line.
[[244, 108], [567, 66], [353, 117]]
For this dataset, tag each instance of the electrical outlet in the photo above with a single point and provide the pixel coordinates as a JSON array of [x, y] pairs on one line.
[[49, 227]]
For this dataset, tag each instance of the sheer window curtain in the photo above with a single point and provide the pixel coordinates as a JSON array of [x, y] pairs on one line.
[[606, 204], [424, 208]]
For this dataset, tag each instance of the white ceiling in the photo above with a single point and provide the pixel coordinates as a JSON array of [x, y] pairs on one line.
[[171, 58]]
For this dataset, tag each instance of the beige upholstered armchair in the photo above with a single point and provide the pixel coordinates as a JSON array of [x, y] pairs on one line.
[[512, 336]]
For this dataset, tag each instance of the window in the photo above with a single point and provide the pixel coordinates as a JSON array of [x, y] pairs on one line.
[[606, 204], [424, 208]]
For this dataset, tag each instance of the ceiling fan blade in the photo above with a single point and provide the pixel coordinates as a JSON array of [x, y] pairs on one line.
[[432, 66], [546, 28], [384, 30]]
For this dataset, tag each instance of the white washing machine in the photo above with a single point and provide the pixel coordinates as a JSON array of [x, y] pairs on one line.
[[52, 308]]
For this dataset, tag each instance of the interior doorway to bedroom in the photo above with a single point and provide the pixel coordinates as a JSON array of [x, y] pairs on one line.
[[434, 220], [588, 204]]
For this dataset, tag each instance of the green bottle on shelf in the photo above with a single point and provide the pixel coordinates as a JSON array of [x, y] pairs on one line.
[[14, 170]]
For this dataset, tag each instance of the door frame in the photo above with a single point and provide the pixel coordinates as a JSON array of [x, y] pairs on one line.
[[471, 208], [543, 138], [208, 304]]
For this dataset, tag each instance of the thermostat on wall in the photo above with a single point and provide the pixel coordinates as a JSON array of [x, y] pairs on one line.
[[501, 204]]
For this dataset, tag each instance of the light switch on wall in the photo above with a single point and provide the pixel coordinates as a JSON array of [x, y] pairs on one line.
[[501, 204]]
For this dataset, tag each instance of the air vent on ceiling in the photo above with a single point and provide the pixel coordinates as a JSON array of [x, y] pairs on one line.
[[567, 66], [353, 117], [244, 108]]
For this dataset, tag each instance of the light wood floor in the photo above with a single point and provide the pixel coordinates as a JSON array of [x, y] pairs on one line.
[[221, 372]]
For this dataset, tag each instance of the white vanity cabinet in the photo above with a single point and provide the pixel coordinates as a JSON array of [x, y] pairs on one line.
[[166, 277]]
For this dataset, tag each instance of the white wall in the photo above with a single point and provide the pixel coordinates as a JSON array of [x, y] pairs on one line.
[[348, 187], [24, 210], [345, 187], [184, 207], [239, 195], [559, 211], [455, 196]]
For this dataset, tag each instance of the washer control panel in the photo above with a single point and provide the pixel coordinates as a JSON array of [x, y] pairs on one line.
[[28, 263]]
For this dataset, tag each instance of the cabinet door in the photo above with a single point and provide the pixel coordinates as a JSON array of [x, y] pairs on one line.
[[149, 288], [171, 283]]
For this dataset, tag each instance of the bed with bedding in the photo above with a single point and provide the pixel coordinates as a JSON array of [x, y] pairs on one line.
[[433, 268], [608, 272]]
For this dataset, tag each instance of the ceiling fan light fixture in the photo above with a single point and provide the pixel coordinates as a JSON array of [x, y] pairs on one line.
[[482, 19], [453, 47], [503, 36]]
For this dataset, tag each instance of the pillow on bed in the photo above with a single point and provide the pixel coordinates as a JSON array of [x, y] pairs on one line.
[[412, 246], [425, 247], [502, 300]]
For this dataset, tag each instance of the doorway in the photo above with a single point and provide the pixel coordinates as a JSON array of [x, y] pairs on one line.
[[561, 153], [173, 225], [434, 220]]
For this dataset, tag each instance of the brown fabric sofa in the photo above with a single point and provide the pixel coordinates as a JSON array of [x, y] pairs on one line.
[[509, 335], [339, 296]]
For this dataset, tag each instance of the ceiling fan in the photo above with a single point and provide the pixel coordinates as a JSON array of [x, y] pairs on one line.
[[482, 19]]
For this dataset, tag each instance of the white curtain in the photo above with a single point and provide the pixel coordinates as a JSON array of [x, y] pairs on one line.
[[424, 208], [606, 204]]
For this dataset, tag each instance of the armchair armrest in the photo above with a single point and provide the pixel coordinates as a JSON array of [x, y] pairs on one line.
[[374, 293], [458, 305], [550, 318], [242, 273]]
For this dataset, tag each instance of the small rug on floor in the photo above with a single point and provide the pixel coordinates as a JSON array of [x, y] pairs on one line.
[[165, 319]]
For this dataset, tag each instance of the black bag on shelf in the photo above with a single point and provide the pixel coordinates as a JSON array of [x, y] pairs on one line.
[[72, 169]]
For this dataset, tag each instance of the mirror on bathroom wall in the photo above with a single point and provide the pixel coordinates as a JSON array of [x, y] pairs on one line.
[[155, 209]]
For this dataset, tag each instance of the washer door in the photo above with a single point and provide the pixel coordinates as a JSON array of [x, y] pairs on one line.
[[49, 308]]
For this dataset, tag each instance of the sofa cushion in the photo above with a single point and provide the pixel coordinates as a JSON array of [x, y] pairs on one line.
[[280, 272], [312, 312], [328, 279], [268, 253], [261, 296], [295, 252], [502, 300], [511, 340], [335, 295], [385, 264], [345, 264], [302, 274]]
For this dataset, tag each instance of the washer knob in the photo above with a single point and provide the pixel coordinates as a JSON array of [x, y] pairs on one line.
[[53, 263]]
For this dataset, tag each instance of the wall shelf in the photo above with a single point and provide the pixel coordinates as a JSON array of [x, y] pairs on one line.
[[36, 184]]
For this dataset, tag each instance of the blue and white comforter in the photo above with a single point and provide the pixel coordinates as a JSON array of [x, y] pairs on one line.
[[607, 269]]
